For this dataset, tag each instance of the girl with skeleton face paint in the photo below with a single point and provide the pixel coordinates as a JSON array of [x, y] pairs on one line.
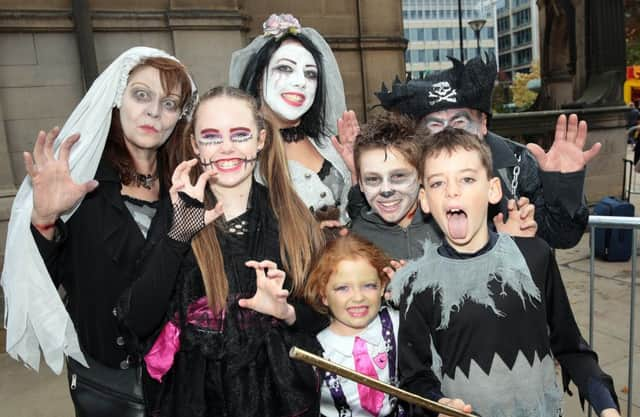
[[294, 74]]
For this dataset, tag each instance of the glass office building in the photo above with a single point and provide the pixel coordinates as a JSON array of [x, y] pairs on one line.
[[518, 46], [432, 28]]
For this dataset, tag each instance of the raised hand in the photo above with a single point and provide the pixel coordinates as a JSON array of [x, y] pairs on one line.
[[189, 215], [270, 298], [566, 153], [54, 191], [391, 270], [181, 183], [348, 130], [520, 221], [393, 267]]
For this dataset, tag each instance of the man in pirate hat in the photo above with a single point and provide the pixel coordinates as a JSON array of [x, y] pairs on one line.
[[553, 181]]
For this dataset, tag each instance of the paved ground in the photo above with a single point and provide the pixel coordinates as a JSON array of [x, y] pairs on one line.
[[24, 393]]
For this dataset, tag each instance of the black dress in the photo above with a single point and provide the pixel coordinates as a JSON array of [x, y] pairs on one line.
[[236, 363]]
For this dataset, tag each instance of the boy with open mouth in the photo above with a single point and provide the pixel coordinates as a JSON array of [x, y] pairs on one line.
[[483, 316]]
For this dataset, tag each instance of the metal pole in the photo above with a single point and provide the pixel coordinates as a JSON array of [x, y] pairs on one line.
[[363, 74], [460, 28], [632, 314], [477, 42], [592, 237]]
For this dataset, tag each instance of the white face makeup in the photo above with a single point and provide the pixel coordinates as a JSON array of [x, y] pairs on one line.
[[290, 81], [390, 184], [148, 114], [462, 118]]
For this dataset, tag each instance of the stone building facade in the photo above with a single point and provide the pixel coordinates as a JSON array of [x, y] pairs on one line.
[[51, 49]]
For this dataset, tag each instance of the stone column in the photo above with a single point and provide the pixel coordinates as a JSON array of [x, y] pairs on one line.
[[7, 187]]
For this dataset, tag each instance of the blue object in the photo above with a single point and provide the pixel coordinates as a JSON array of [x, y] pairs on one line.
[[613, 245]]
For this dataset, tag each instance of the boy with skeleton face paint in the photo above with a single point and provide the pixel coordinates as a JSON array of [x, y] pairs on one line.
[[386, 160]]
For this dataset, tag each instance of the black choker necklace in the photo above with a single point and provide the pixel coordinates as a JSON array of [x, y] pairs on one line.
[[292, 134], [143, 180]]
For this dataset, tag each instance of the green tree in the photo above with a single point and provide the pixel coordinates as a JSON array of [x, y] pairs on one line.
[[523, 98]]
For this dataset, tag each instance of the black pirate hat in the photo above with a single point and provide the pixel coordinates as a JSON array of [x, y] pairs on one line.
[[465, 85]]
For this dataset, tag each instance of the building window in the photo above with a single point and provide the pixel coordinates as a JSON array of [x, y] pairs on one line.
[[449, 34], [518, 3], [421, 56], [420, 34], [505, 61], [522, 37], [521, 18], [436, 55], [450, 52], [523, 57], [504, 42], [488, 33], [434, 34], [503, 24]]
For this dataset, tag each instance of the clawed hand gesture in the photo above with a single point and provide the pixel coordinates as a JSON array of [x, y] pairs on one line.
[[270, 298], [181, 182], [391, 270], [520, 220], [348, 130], [54, 191], [566, 153]]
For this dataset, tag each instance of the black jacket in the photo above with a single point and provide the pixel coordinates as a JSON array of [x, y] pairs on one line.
[[397, 242], [95, 258], [561, 212]]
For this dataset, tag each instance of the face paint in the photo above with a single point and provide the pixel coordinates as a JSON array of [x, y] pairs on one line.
[[390, 184], [226, 140], [456, 118], [290, 81], [148, 114]]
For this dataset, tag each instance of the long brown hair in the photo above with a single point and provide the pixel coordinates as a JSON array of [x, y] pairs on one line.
[[173, 76], [300, 236]]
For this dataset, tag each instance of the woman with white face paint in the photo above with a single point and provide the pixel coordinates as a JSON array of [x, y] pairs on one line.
[[294, 74], [84, 218]]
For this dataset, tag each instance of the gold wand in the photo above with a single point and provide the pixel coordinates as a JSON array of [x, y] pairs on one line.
[[315, 360]]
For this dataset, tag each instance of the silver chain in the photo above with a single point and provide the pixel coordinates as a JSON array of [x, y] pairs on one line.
[[514, 181]]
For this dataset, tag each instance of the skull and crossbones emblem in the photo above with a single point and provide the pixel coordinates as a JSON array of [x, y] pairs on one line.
[[442, 91]]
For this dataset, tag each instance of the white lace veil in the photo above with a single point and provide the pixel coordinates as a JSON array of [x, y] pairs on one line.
[[35, 316], [334, 88]]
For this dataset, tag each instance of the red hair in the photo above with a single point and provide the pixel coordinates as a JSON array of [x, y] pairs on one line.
[[173, 76], [342, 248]]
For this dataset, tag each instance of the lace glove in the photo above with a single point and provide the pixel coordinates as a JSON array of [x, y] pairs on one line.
[[188, 218]]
